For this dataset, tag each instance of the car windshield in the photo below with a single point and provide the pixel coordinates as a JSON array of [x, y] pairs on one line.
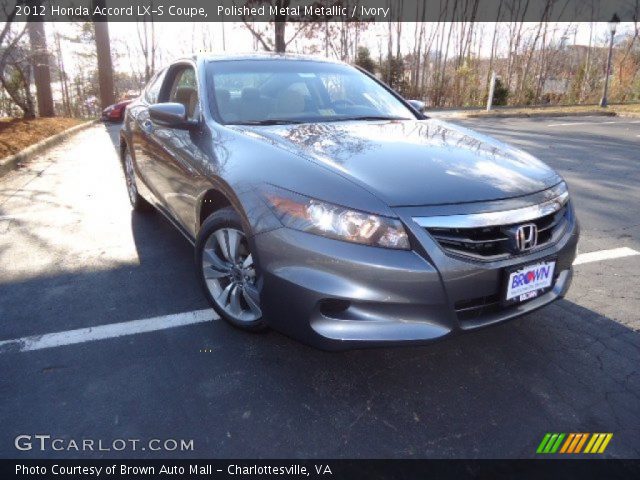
[[268, 92]]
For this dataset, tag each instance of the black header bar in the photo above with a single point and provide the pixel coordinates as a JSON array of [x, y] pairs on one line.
[[318, 10]]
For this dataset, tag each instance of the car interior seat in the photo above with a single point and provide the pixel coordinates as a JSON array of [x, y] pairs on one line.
[[290, 103], [189, 98], [252, 105]]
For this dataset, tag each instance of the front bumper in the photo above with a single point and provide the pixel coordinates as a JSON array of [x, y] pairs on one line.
[[336, 295]]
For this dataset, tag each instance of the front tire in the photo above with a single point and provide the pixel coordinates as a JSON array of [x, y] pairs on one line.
[[227, 271]]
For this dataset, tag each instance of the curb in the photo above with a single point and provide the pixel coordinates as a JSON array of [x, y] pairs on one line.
[[9, 163], [534, 114], [595, 113]]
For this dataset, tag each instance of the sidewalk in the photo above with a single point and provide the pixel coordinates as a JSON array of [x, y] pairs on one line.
[[631, 110]]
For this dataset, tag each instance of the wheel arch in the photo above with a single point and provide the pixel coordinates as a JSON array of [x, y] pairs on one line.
[[122, 146], [215, 198], [126, 142]]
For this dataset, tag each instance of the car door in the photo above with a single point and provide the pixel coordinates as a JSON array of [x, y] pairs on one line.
[[177, 149], [144, 147]]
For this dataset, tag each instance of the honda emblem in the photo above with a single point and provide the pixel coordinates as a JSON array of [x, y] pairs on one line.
[[526, 237]]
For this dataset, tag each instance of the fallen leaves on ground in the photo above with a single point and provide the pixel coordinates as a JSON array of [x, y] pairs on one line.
[[17, 134]]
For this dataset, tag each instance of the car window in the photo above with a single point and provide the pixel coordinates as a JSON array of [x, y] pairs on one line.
[[185, 91], [153, 89], [247, 91]]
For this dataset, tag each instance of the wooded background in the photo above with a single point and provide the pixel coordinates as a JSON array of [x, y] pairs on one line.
[[445, 64]]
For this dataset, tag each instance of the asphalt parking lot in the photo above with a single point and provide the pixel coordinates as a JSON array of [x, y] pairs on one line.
[[74, 256]]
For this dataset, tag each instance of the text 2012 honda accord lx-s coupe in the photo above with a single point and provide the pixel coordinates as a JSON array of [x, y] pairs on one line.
[[324, 205]]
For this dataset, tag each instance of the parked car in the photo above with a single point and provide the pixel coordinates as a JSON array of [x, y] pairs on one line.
[[322, 204], [115, 113]]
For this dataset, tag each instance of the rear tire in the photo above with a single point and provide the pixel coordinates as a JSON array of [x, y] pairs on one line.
[[138, 203], [227, 272]]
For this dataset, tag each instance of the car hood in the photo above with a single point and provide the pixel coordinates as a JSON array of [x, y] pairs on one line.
[[414, 162]]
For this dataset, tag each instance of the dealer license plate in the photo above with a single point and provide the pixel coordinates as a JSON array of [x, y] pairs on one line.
[[529, 281]]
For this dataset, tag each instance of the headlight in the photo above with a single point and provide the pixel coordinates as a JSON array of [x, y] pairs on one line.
[[321, 218]]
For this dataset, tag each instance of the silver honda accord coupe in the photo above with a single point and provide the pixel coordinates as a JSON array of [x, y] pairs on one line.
[[325, 206]]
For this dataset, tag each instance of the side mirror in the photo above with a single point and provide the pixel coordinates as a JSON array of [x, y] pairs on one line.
[[417, 105], [172, 115]]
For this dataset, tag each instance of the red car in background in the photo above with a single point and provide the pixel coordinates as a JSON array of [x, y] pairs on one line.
[[115, 113]]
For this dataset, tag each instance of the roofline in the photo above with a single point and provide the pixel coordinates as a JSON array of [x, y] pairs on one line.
[[263, 56]]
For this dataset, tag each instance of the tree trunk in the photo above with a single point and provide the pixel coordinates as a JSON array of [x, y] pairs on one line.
[[64, 86], [105, 67], [280, 44], [40, 63]]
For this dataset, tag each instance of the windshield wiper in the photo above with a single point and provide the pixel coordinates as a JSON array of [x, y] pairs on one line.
[[284, 121], [368, 117], [270, 121]]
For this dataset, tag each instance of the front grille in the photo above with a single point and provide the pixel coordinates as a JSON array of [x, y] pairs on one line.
[[493, 243]]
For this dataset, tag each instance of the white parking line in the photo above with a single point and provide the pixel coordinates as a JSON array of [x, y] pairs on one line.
[[566, 124], [605, 255], [13, 216], [609, 122], [115, 330], [102, 332]]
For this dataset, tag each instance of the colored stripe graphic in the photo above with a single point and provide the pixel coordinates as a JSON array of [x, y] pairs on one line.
[[590, 444], [599, 443], [581, 442], [556, 445], [574, 443], [550, 443], [605, 443], [543, 443], [567, 442]]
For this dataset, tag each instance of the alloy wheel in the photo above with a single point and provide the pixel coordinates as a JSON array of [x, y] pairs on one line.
[[230, 275], [132, 189]]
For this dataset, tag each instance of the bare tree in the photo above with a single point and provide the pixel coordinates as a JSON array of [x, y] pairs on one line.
[[15, 67], [587, 64], [148, 46], [527, 63], [278, 42], [62, 74], [494, 43], [634, 37], [517, 10]]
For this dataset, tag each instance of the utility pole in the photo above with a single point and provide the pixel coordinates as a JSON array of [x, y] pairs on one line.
[[492, 87]]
